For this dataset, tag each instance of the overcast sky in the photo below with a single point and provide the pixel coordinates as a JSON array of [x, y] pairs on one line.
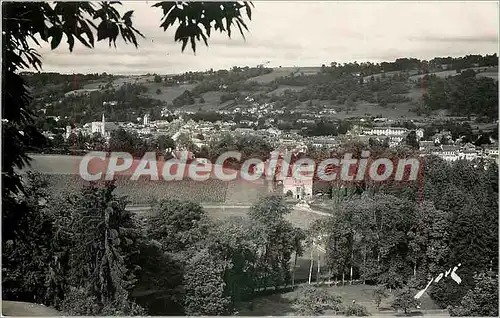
[[298, 33]]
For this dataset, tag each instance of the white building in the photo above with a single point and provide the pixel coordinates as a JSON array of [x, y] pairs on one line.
[[300, 189], [386, 131], [468, 155], [447, 153], [491, 152], [99, 127], [69, 131], [102, 127], [420, 133]]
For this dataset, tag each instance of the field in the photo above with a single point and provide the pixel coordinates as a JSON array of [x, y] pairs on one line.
[[145, 191], [493, 75], [378, 75], [309, 70], [276, 73], [168, 94], [298, 218], [62, 173], [441, 74], [119, 81], [401, 110], [283, 88], [486, 71], [415, 93]]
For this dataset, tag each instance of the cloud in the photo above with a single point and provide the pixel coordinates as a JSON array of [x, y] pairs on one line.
[[298, 33], [460, 38]]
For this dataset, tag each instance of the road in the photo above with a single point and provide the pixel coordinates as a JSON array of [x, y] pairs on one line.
[[141, 208]]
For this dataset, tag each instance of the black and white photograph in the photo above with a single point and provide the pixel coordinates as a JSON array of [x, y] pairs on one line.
[[250, 158]]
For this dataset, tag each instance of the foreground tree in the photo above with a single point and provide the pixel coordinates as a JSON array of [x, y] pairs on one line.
[[404, 300], [482, 300], [178, 225], [159, 288], [236, 241], [205, 286], [26, 250], [106, 237], [279, 244]]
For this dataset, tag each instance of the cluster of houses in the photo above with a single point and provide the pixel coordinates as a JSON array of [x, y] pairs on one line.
[[454, 152], [201, 133]]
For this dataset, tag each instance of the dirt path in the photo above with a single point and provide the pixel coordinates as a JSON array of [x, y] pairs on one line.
[[144, 208]]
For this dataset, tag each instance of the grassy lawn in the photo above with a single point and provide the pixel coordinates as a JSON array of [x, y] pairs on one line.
[[281, 304], [310, 70], [168, 94], [276, 73], [301, 219], [17, 308], [282, 88], [394, 111], [493, 75]]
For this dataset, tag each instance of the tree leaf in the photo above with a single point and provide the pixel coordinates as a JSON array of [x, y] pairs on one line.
[[184, 43], [71, 41], [56, 38], [193, 44], [127, 17], [248, 10], [102, 31]]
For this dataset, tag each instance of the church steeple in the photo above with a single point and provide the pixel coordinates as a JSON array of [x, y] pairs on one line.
[[103, 125]]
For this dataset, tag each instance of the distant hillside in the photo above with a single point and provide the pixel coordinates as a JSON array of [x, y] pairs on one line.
[[347, 88]]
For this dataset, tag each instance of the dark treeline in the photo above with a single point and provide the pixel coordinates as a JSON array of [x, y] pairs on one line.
[[343, 85], [121, 140], [40, 80], [408, 64], [342, 90], [130, 104], [463, 95]]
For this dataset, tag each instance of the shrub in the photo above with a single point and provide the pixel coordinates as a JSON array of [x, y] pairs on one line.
[[313, 301], [356, 310], [78, 302], [379, 294]]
